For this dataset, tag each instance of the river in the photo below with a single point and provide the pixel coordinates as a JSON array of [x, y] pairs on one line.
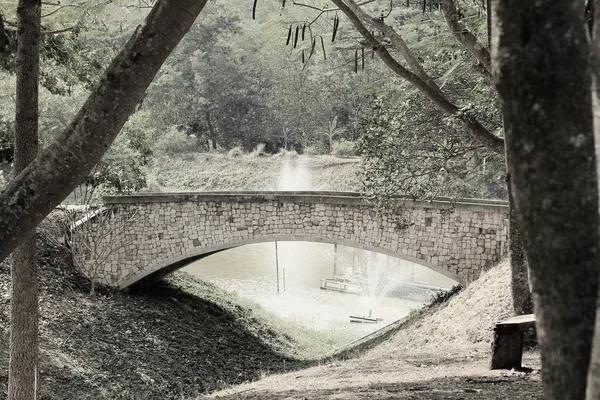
[[253, 271]]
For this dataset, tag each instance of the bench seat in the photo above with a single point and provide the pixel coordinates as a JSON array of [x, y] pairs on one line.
[[507, 346]]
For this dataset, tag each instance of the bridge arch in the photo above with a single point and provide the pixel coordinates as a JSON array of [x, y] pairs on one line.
[[458, 239], [163, 268]]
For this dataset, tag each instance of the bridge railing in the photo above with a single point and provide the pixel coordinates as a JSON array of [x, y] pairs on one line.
[[293, 196]]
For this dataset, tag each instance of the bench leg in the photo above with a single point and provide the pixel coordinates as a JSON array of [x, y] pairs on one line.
[[507, 348]]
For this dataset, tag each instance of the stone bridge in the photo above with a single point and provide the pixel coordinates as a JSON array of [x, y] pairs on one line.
[[141, 238]]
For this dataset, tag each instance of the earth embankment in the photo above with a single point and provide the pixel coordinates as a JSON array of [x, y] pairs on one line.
[[180, 339]]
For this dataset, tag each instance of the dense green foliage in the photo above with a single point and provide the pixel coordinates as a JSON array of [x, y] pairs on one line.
[[408, 147], [412, 150], [238, 82]]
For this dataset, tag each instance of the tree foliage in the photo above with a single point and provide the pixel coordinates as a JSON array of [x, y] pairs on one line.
[[413, 150]]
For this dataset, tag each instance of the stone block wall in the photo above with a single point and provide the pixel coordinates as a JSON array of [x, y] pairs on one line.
[[459, 240]]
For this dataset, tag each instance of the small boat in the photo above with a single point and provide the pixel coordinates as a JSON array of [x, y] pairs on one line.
[[341, 285], [363, 319]]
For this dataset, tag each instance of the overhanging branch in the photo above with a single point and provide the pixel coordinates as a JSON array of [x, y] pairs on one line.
[[397, 41], [472, 125], [465, 36], [60, 167]]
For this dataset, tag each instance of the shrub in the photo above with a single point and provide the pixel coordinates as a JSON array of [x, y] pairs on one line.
[[286, 153], [259, 150], [174, 142], [313, 150], [189, 157], [236, 152], [344, 148]]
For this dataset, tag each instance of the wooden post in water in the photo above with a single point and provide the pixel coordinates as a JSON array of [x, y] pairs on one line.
[[335, 252], [283, 275], [277, 265]]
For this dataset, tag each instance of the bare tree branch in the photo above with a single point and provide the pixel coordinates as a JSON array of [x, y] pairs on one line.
[[324, 10], [92, 237], [56, 32], [464, 36], [398, 42]]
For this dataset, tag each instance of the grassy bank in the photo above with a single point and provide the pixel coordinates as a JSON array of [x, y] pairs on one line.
[[213, 171]]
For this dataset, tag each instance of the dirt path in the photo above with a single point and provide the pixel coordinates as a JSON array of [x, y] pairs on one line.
[[414, 377]]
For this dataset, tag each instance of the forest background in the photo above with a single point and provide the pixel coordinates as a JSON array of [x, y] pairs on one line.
[[263, 85]]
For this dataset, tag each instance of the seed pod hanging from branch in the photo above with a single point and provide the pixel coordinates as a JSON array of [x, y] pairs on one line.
[[296, 37], [254, 9], [289, 36], [323, 46], [336, 24], [303, 56], [283, 4], [312, 48], [356, 61], [303, 31], [362, 50]]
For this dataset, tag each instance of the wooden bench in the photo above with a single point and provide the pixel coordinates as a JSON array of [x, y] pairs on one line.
[[507, 347]]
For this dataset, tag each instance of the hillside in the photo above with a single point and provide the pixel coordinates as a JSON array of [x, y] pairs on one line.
[[181, 339], [464, 322], [214, 172]]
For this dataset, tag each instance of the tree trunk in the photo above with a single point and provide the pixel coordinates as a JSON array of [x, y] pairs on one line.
[[488, 19], [331, 143], [211, 130], [542, 70], [3, 36], [519, 284], [593, 6], [22, 376], [64, 164]]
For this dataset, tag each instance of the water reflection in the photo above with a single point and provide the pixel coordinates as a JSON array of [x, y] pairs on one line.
[[252, 271]]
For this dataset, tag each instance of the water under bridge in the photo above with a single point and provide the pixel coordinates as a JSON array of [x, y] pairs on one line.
[[147, 236]]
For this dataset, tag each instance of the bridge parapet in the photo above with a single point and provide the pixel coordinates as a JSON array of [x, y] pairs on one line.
[[457, 238]]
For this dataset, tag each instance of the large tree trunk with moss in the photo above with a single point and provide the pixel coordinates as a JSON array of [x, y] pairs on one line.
[[22, 376], [593, 6], [542, 70], [59, 168]]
